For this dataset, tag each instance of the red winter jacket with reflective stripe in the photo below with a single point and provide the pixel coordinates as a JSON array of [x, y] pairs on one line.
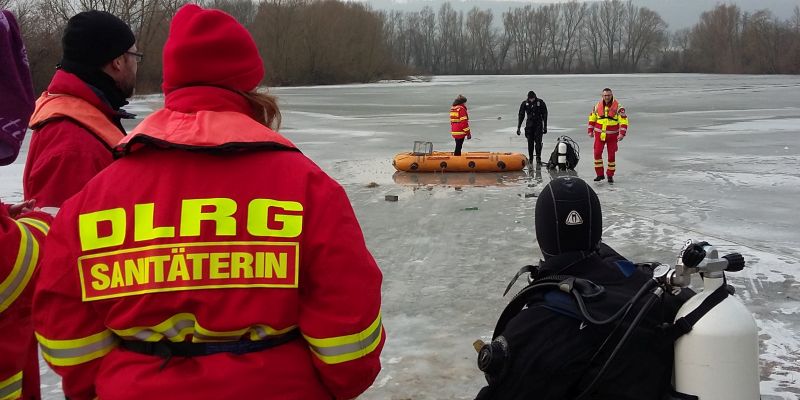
[[20, 246], [459, 121], [73, 135], [244, 240]]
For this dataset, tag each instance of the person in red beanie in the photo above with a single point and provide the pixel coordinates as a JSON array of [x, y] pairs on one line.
[[235, 268]]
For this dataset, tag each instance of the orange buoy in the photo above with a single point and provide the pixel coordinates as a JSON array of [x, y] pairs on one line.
[[474, 161]]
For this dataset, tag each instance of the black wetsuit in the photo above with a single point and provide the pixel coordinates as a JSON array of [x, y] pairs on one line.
[[536, 125], [551, 352]]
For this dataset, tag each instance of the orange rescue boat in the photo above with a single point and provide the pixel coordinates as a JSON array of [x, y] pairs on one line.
[[474, 161]]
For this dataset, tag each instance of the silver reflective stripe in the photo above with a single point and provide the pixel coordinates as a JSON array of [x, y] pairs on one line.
[[22, 266], [350, 347], [173, 332], [79, 351], [260, 332], [42, 226], [13, 386]]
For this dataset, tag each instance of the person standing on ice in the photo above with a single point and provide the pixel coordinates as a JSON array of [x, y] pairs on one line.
[[536, 111], [544, 346], [22, 231], [233, 268], [76, 122], [608, 124], [459, 123]]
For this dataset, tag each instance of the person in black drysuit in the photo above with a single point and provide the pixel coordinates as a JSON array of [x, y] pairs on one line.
[[555, 353], [536, 112]]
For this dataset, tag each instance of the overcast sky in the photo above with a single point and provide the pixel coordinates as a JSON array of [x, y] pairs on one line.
[[677, 13]]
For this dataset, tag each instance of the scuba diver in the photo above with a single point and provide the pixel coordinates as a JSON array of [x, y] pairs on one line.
[[535, 110], [587, 326]]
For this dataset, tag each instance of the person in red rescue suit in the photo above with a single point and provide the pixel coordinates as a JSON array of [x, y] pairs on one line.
[[21, 231], [608, 124], [22, 234], [459, 123], [76, 122], [234, 268]]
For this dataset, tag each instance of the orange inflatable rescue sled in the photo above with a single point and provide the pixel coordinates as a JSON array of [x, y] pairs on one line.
[[424, 159]]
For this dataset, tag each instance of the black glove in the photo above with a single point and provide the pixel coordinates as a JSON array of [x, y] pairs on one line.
[[517, 131], [544, 130], [693, 254]]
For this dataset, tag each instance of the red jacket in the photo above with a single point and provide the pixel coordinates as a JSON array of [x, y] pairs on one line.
[[244, 240], [73, 134], [20, 246], [459, 121]]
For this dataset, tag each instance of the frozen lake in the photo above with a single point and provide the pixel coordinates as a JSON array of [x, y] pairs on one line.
[[711, 157]]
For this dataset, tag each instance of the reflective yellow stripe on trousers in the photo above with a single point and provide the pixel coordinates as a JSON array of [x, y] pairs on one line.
[[11, 388], [17, 280], [64, 353], [340, 349]]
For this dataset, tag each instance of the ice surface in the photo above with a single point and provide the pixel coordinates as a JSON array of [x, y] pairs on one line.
[[712, 157]]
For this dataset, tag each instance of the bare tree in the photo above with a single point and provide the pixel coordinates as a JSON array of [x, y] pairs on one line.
[[716, 38], [644, 34]]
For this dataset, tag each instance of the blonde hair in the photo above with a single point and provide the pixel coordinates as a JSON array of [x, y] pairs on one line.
[[265, 108]]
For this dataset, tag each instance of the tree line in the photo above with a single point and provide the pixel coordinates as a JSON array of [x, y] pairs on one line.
[[332, 41]]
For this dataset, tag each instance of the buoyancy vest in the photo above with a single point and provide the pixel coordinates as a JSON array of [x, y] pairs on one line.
[[203, 130], [607, 112], [52, 106]]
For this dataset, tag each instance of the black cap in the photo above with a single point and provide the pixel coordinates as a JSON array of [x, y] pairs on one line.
[[94, 38], [531, 94], [568, 217]]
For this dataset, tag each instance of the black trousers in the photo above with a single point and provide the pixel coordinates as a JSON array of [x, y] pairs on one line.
[[534, 136], [459, 143]]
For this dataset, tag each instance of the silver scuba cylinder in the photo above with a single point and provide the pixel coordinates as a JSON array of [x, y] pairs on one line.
[[562, 155], [718, 358]]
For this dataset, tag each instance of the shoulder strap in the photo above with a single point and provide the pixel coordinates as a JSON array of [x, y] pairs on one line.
[[684, 325]]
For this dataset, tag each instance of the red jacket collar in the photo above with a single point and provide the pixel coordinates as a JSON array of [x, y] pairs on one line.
[[65, 83], [203, 118], [206, 98]]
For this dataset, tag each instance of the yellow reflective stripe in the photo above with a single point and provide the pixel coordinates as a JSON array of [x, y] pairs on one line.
[[17, 280], [40, 225], [11, 388], [340, 349], [463, 118], [466, 129], [76, 351], [177, 327]]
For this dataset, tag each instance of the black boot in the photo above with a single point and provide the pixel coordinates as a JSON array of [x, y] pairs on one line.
[[610, 179], [599, 178]]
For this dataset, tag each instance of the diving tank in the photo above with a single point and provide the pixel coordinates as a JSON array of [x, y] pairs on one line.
[[562, 155], [718, 358]]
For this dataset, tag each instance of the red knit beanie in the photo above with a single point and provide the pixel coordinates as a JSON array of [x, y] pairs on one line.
[[210, 48]]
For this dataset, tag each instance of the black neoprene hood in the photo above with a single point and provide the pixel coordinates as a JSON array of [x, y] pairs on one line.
[[568, 217]]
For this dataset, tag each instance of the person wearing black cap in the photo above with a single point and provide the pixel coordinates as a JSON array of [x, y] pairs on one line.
[[536, 111], [549, 349], [77, 121]]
